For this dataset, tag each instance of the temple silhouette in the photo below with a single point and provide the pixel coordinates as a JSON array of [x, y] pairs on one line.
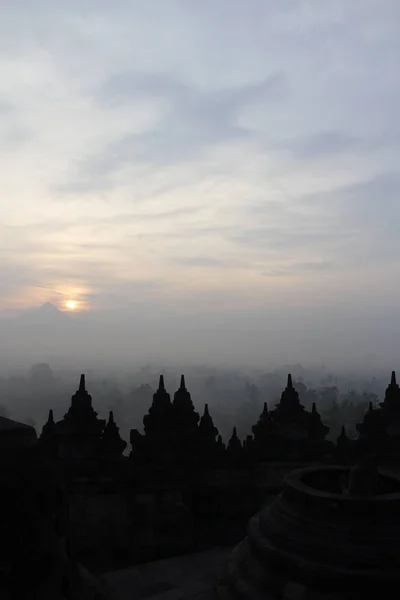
[[300, 503]]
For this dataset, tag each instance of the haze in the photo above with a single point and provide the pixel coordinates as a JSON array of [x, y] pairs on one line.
[[208, 181]]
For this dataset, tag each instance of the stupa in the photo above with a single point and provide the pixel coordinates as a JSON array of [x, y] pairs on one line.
[[380, 428], [333, 533], [78, 435]]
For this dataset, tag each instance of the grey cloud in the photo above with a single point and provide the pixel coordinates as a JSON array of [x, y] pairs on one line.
[[207, 261], [160, 215], [288, 238], [123, 87], [13, 132], [95, 223], [301, 267], [116, 294], [371, 205], [360, 225], [321, 144], [355, 225], [195, 120], [6, 108], [15, 275]]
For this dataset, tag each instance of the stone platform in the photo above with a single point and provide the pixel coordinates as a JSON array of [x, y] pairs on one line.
[[189, 577], [319, 541]]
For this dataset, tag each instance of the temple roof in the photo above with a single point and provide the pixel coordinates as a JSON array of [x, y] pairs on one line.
[[387, 415], [184, 414], [392, 396], [80, 417], [290, 400], [206, 424], [289, 409], [157, 420], [111, 438]]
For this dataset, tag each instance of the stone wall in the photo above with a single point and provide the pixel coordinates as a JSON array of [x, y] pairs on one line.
[[99, 520], [115, 523]]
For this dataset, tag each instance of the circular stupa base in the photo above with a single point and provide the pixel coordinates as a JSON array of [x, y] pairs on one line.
[[316, 541]]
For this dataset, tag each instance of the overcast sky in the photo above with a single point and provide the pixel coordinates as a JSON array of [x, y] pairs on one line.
[[203, 157]]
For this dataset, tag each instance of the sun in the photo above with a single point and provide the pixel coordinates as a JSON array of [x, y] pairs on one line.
[[71, 304]]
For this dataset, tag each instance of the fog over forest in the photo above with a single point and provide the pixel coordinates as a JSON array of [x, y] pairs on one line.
[[247, 339], [47, 350]]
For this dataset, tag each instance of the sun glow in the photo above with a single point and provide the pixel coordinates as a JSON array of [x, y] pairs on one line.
[[71, 304]]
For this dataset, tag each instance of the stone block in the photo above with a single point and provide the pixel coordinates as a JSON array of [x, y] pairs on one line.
[[294, 591]]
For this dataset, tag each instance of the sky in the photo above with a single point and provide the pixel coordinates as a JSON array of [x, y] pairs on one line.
[[228, 163]]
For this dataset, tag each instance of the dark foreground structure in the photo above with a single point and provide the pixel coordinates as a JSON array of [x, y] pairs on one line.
[[333, 534], [72, 498], [36, 562]]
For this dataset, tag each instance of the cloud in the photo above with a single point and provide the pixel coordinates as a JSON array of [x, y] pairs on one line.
[[207, 261], [301, 267], [144, 142], [371, 205], [190, 122], [322, 144]]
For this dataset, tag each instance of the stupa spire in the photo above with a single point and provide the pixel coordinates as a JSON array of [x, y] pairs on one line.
[[185, 416], [161, 386], [207, 432], [206, 420], [261, 428], [182, 385], [235, 448], [112, 445], [82, 383], [290, 401], [48, 427], [392, 395], [158, 419], [81, 403]]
